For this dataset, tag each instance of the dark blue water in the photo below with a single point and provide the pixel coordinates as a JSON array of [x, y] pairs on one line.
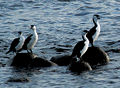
[[59, 26]]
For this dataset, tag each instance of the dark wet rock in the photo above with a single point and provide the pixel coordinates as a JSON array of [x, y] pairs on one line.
[[60, 49], [1, 64], [79, 67], [62, 60], [113, 50], [30, 60], [95, 56], [18, 80], [113, 42], [22, 60], [39, 62]]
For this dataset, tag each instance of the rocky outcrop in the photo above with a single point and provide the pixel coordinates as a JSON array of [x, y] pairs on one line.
[[30, 60], [93, 56]]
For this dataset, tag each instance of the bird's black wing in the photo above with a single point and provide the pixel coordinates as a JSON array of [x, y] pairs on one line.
[[91, 31], [27, 40], [14, 44], [78, 47]]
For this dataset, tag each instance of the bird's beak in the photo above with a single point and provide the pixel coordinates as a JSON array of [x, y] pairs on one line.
[[99, 17], [86, 31]]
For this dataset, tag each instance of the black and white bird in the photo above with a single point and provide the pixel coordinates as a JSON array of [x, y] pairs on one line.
[[94, 32], [81, 47], [31, 40], [17, 43]]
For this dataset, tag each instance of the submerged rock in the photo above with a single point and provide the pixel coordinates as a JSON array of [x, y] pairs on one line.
[[79, 67], [18, 80], [62, 60], [39, 62], [1, 64], [30, 60]]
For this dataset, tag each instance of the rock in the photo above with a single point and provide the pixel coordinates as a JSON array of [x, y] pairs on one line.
[[62, 60], [79, 67], [95, 56], [18, 80], [30, 60], [114, 50], [39, 62], [1, 64], [22, 60]]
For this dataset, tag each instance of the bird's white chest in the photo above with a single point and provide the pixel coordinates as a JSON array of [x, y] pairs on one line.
[[33, 41], [20, 44], [95, 36], [85, 47]]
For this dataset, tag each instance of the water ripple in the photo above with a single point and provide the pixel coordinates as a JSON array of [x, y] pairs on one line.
[[59, 26]]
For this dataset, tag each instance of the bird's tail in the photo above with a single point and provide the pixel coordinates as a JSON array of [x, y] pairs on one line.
[[8, 52]]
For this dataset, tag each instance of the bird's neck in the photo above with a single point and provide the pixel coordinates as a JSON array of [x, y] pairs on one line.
[[34, 32], [84, 38], [21, 36], [96, 22]]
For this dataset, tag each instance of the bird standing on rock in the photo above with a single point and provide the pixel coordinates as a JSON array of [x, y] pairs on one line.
[[17, 43], [81, 47], [94, 32], [31, 40]]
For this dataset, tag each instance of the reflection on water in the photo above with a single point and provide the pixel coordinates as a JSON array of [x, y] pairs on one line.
[[59, 25]]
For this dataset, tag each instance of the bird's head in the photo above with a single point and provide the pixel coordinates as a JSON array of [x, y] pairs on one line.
[[33, 27], [96, 17], [84, 32], [19, 33]]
